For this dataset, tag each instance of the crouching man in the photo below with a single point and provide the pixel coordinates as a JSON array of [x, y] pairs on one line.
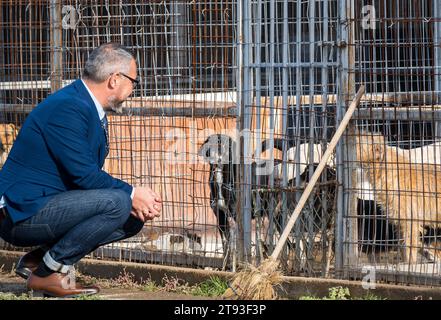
[[54, 194]]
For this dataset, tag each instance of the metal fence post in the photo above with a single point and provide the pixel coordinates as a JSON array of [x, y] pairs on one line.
[[437, 43], [56, 34], [437, 58], [178, 41], [326, 261], [257, 15], [346, 228], [244, 126]]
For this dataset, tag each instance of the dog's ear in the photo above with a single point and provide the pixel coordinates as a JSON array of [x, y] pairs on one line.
[[210, 146], [204, 150]]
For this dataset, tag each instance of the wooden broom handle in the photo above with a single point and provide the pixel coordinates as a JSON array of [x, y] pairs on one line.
[[341, 128]]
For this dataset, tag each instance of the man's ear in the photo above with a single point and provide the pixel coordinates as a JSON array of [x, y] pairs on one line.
[[113, 81]]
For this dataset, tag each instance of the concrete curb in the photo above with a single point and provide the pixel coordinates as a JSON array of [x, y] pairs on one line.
[[292, 288]]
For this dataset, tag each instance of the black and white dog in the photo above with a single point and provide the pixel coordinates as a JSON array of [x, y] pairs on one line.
[[219, 150]]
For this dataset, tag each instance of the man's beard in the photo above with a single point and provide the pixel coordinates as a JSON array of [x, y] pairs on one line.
[[115, 104]]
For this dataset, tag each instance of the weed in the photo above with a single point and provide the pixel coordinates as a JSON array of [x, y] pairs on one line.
[[174, 284], [125, 280], [213, 287], [340, 293], [371, 296], [149, 286]]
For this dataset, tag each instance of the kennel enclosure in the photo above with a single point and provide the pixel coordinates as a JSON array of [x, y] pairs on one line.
[[276, 71]]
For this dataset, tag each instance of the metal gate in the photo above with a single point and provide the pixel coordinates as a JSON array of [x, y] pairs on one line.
[[294, 84]]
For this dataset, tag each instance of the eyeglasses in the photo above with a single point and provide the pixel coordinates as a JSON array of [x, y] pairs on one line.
[[135, 82]]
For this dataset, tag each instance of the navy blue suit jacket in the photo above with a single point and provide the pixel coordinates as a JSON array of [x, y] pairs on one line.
[[60, 147]]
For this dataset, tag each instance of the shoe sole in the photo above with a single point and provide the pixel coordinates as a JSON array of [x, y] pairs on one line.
[[23, 272]]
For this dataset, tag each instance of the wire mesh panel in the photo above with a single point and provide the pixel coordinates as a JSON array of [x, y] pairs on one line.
[[184, 50], [396, 167], [289, 95], [186, 59], [26, 50]]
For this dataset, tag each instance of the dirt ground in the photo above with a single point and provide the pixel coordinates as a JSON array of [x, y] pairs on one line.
[[10, 283]]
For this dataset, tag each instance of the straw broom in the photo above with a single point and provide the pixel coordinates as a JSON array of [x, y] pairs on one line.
[[258, 283]]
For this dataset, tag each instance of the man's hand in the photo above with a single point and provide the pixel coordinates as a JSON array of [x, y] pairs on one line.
[[146, 204]]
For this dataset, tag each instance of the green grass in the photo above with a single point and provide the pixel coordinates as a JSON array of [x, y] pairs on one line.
[[88, 297], [149, 286], [371, 296], [213, 287], [340, 293], [11, 296]]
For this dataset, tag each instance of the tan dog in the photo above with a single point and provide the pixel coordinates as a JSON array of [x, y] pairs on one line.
[[8, 134], [411, 192]]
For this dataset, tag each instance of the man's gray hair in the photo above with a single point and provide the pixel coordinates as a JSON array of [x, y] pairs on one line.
[[107, 59]]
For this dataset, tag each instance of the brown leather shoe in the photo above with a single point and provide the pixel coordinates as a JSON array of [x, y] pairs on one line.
[[58, 285], [29, 262]]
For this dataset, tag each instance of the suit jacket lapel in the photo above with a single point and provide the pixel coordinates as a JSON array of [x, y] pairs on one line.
[[82, 91]]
